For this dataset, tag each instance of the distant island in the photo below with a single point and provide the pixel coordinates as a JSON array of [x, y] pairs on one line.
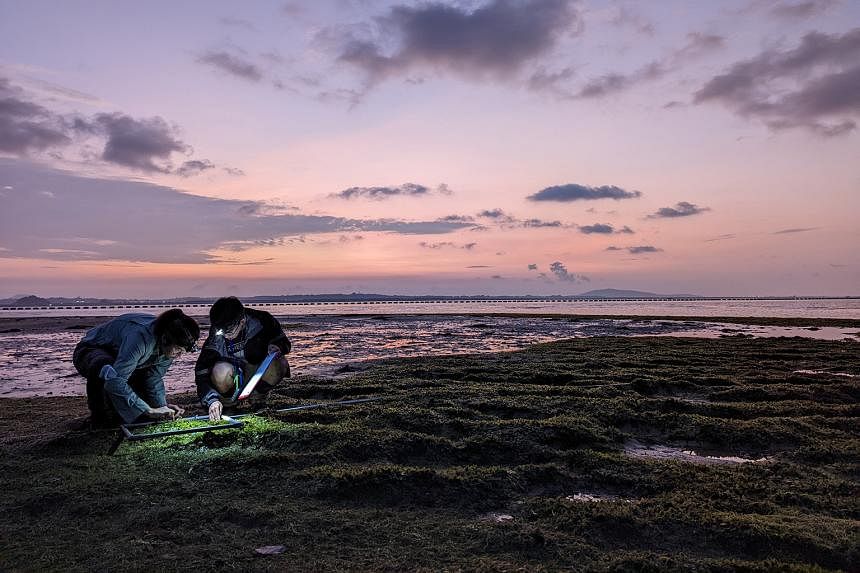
[[31, 301]]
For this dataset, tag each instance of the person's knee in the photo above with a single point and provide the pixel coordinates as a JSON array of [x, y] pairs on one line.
[[222, 377], [277, 371]]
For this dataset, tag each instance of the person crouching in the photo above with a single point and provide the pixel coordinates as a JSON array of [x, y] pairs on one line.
[[124, 361], [239, 340]]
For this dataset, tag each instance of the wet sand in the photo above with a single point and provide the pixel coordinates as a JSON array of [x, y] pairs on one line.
[[35, 352]]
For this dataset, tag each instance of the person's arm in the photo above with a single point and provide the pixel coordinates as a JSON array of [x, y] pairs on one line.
[[203, 376], [274, 334], [154, 383]]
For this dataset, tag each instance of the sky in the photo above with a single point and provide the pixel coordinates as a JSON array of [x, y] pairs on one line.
[[204, 148]]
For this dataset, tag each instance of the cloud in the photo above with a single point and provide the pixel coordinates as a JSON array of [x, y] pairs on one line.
[[495, 39], [539, 223], [625, 17], [533, 267], [597, 228], [479, 267], [604, 229], [379, 193], [575, 192], [466, 246], [643, 249], [143, 144], [194, 167], [231, 64], [561, 273], [796, 230], [138, 143], [681, 209], [721, 238], [636, 250], [507, 221], [497, 277], [615, 82], [800, 10], [26, 126], [698, 45], [458, 218], [496, 215], [136, 221], [815, 85]]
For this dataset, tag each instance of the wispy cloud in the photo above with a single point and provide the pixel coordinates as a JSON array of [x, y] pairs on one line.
[[796, 230], [604, 229], [190, 227], [507, 221], [380, 193], [681, 209], [721, 238], [194, 167], [447, 244], [791, 10], [698, 45], [637, 250], [815, 85], [232, 64]]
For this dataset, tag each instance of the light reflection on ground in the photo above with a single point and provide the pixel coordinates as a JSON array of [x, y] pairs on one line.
[[39, 364]]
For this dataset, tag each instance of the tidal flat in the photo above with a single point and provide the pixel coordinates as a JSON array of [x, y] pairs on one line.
[[530, 460]]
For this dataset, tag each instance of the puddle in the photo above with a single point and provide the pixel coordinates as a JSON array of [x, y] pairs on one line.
[[662, 452], [825, 373], [595, 498], [717, 330], [497, 517]]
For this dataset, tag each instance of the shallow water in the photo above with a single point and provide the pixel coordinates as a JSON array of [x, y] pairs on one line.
[[39, 364], [787, 308], [664, 452]]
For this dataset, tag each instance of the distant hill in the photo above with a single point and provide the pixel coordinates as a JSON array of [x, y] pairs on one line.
[[618, 293]]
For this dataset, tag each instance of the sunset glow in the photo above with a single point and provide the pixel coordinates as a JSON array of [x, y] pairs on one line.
[[166, 149]]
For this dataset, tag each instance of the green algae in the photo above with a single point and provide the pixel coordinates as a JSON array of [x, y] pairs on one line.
[[176, 425]]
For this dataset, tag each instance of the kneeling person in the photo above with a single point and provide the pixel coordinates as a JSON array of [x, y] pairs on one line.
[[239, 340], [124, 362]]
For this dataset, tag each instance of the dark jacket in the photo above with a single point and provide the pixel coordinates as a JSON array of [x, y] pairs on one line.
[[250, 347], [130, 337]]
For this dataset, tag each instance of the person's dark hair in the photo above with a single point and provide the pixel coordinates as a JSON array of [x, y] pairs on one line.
[[226, 313], [174, 328]]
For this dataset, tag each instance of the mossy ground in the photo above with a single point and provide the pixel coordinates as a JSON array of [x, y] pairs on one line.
[[413, 482]]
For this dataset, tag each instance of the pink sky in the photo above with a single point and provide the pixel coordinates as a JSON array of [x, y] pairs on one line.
[[492, 147]]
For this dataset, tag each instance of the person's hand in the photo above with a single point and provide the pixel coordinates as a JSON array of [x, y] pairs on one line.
[[215, 410], [178, 410], [161, 413], [274, 348]]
